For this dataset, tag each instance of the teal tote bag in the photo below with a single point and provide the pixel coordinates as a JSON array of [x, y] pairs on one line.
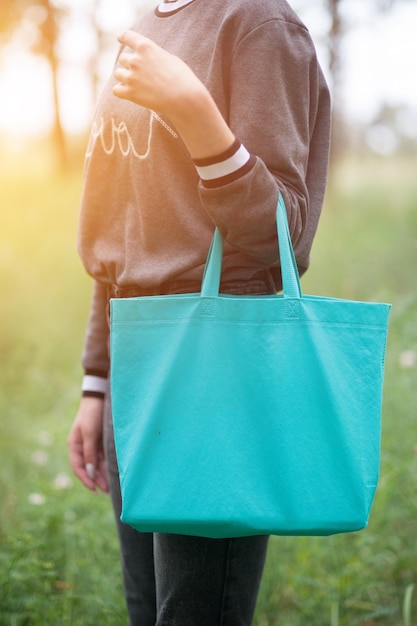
[[246, 415]]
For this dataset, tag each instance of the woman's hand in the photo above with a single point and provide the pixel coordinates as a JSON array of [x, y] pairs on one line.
[[152, 77], [158, 80], [85, 443]]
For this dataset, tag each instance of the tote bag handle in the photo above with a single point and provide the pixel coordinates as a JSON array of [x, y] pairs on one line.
[[289, 270]]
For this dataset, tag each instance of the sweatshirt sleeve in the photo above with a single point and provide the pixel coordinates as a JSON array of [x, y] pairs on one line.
[[95, 358], [280, 113]]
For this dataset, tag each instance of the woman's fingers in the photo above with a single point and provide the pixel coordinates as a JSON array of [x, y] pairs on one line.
[[77, 459], [85, 443]]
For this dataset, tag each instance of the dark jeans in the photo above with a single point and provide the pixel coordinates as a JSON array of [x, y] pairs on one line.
[[178, 580]]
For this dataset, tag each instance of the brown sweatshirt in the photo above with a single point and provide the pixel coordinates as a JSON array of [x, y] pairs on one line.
[[148, 211]]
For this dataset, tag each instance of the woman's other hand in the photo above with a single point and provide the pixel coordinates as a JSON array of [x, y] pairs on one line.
[[85, 443]]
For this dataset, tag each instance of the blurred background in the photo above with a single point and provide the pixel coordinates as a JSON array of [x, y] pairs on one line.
[[55, 54], [58, 549]]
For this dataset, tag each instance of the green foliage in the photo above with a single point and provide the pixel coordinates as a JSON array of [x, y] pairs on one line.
[[57, 541], [59, 562]]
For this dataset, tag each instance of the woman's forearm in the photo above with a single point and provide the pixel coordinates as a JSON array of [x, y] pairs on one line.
[[152, 77]]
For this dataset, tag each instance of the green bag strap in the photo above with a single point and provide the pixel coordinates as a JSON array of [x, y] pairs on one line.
[[289, 270], [211, 277]]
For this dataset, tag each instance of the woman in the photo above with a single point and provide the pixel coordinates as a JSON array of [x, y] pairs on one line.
[[214, 107]]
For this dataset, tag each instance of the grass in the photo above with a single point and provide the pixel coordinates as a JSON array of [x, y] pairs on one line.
[[58, 550]]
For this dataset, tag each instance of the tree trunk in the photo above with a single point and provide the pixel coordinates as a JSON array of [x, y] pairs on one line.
[[58, 134], [335, 37], [49, 31]]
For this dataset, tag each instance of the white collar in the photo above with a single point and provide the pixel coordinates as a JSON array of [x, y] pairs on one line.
[[170, 7]]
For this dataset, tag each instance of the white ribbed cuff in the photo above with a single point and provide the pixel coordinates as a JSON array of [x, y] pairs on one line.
[[224, 168], [94, 384]]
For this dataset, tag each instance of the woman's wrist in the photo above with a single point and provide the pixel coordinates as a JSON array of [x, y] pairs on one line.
[[201, 125], [94, 385]]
